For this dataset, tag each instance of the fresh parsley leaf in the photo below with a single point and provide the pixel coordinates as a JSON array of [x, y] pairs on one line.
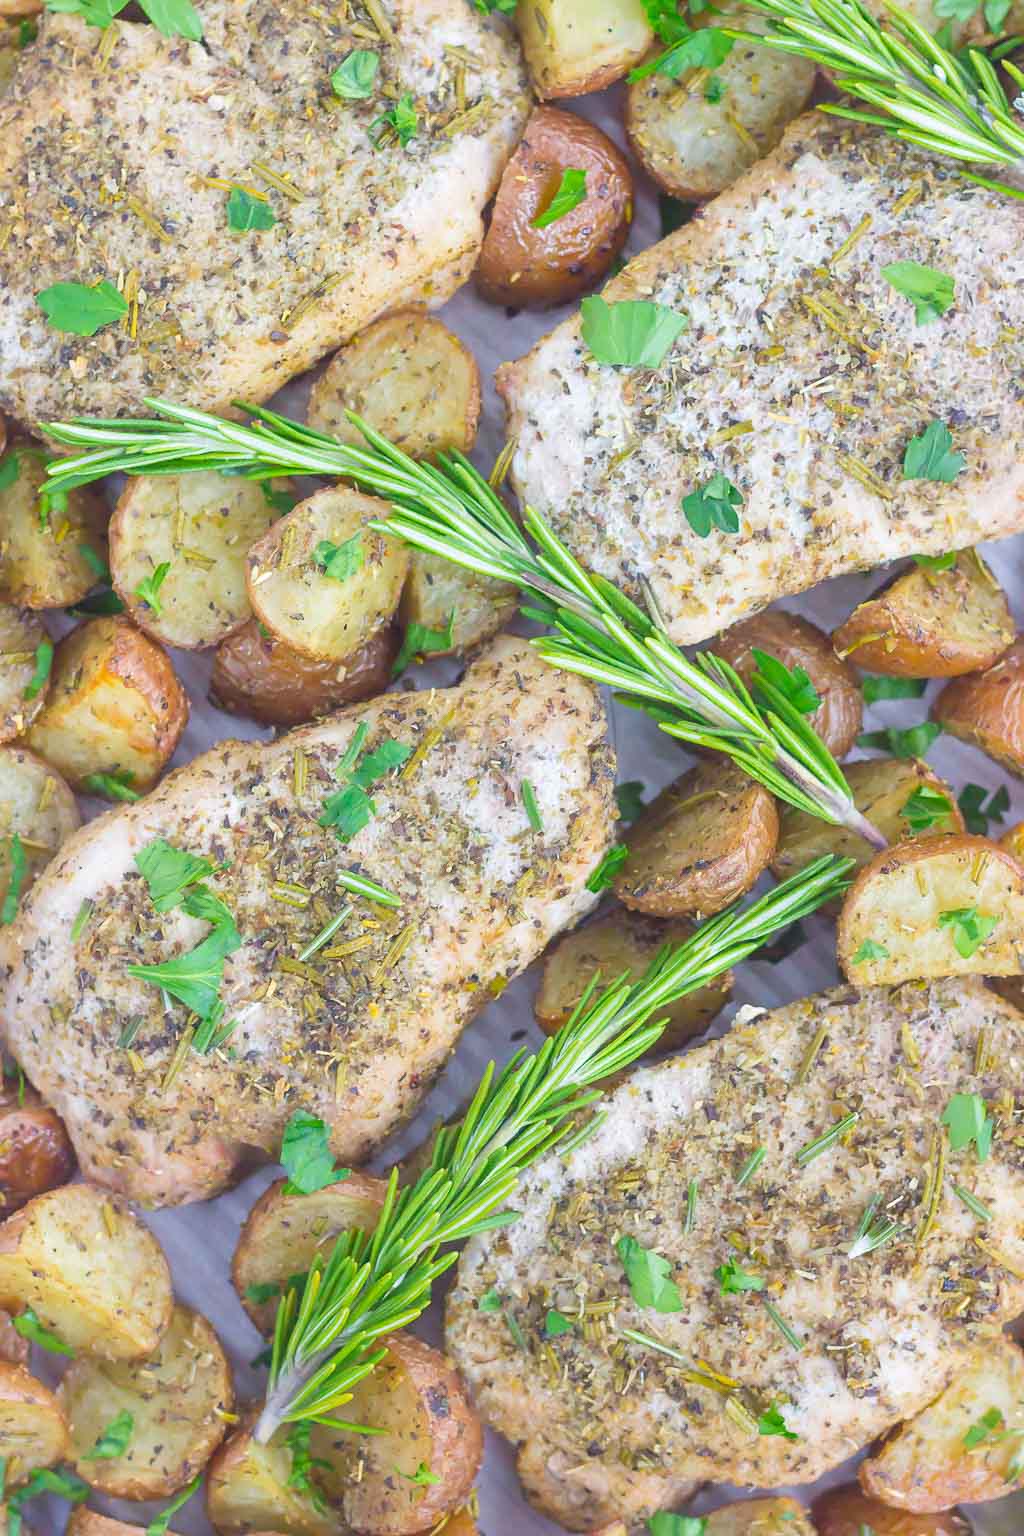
[[629, 797], [572, 190], [664, 19], [95, 13], [66, 1485], [112, 786], [28, 1325], [876, 688], [967, 1120], [174, 18], [200, 902], [604, 875], [350, 809], [169, 871], [665, 1523], [869, 950], [44, 661], [674, 214], [28, 31], [280, 502], [401, 120], [771, 1422], [81, 310], [930, 292], [930, 456], [714, 89], [555, 1324], [10, 469], [926, 808], [705, 48], [247, 212], [304, 1464], [955, 10], [419, 641], [195, 978], [490, 1301], [15, 881], [114, 1440], [792, 683], [262, 1291], [912, 742], [733, 1278], [340, 561], [148, 588], [633, 333], [970, 928], [390, 754], [936, 562], [990, 1422], [530, 806], [995, 13], [306, 1155], [356, 75], [976, 813], [713, 505], [158, 1526], [488, 7], [648, 1275], [422, 1477]]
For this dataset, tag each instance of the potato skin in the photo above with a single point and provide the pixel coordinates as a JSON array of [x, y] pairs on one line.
[[36, 803], [258, 675], [35, 1410], [536, 268], [987, 709], [796, 642], [846, 1511], [35, 1150]]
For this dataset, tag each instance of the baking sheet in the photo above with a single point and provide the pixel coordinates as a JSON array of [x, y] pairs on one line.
[[199, 1240]]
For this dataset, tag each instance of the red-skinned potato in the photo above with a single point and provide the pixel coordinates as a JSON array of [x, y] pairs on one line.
[[35, 1151], [258, 675], [987, 709], [847, 1511], [534, 268]]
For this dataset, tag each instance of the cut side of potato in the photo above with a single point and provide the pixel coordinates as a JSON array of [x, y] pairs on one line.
[[987, 709], [42, 564], [760, 1517], [89, 1269], [247, 1491], [200, 526], [35, 1150], [622, 942], [576, 46], [883, 789], [37, 804], [938, 906], [177, 1398], [436, 591], [257, 675], [697, 135], [962, 1448], [408, 376], [929, 623], [849, 1512], [321, 580], [700, 844], [416, 1397], [528, 266], [22, 695], [115, 706], [282, 1233], [33, 1433]]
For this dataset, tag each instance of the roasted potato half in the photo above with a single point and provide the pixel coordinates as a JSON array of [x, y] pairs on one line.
[[200, 526], [53, 561], [321, 580], [283, 1232], [256, 674], [19, 7], [89, 1269], [408, 376], [35, 1150], [115, 706], [938, 906], [37, 804], [575, 46], [695, 136], [177, 1398], [416, 1397], [960, 1449], [987, 709], [883, 788], [86, 1522], [247, 1490], [796, 642], [701, 843], [22, 694], [618, 942], [928, 623], [848, 1512], [436, 590], [760, 1517], [533, 267], [33, 1432]]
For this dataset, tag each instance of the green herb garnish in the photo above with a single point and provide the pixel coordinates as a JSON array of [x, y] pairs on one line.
[[195, 978], [306, 1155], [80, 310], [976, 813], [629, 798], [604, 875], [870, 950], [930, 456], [912, 742], [112, 786], [926, 808], [771, 1422], [340, 561], [967, 1120], [666, 1524], [780, 683], [930, 292], [15, 881], [733, 1279], [114, 1440], [148, 588], [490, 1301], [356, 75], [246, 211], [419, 641], [750, 1167], [555, 1324], [713, 505], [41, 675], [158, 1527], [970, 928], [400, 121], [821, 1144], [28, 1325], [351, 809], [790, 1334], [935, 563], [632, 333], [974, 1205], [877, 687], [984, 1428], [649, 1277], [572, 190]]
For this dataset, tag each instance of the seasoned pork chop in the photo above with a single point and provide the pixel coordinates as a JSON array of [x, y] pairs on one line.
[[877, 1336], [121, 161], [355, 1035], [801, 378]]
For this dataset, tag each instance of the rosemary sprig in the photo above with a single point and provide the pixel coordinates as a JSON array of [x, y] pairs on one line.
[[372, 1283], [450, 510]]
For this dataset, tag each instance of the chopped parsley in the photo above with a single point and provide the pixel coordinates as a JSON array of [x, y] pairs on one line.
[[571, 191], [112, 786], [148, 588], [733, 1279], [422, 1477], [771, 1422], [649, 1277], [705, 48], [555, 1324], [632, 333], [420, 641], [351, 808], [930, 456], [248, 211], [976, 813], [159, 1525], [870, 950], [66, 1485], [490, 1301], [28, 1325], [984, 1428], [114, 1440], [930, 292], [195, 978], [970, 928], [340, 561], [936, 562], [926, 807], [169, 872], [41, 675], [604, 875], [80, 310], [174, 18], [875, 688], [400, 122], [15, 880], [530, 806], [629, 797], [356, 75], [967, 1120], [713, 505], [666, 1524], [912, 742], [306, 1155], [791, 684]]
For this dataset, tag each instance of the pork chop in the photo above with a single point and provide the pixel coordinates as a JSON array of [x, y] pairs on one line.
[[802, 377], [856, 1343], [356, 1032], [121, 160]]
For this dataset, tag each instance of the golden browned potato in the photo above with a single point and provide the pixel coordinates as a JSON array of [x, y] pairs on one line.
[[24, 678], [461, 1523], [86, 1522], [436, 590], [760, 1517], [928, 623], [416, 1397], [177, 1398], [408, 376], [533, 267], [33, 1433], [247, 1490], [847, 1512], [896, 794], [1013, 839], [796, 642], [37, 805], [283, 1232], [42, 564], [324, 582], [9, 51], [962, 1447], [987, 709], [188, 536], [35, 1151], [115, 706], [256, 674], [937, 906], [619, 942], [576, 46], [19, 7], [696, 135], [701, 843], [89, 1269]]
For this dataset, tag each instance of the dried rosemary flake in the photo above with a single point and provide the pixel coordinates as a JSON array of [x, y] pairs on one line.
[[396, 951], [810, 1056], [851, 240], [502, 464]]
